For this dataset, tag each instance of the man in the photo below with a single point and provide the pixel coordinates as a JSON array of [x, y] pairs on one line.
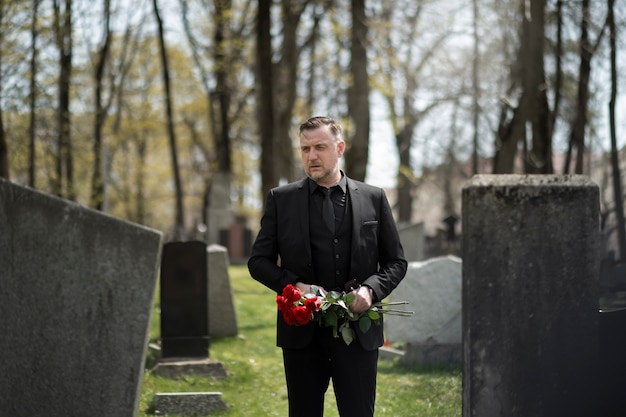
[[358, 249]]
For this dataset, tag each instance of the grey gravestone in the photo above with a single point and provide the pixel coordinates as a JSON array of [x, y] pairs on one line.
[[189, 403], [220, 212], [184, 300], [75, 305], [530, 296], [412, 238], [222, 318], [433, 333]]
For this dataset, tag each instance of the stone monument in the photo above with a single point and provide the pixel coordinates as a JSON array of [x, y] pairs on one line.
[[75, 306], [433, 333], [530, 296]]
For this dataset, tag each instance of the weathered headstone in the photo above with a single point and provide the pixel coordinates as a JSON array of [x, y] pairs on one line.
[[184, 300], [612, 375], [76, 296], [433, 333], [189, 403], [222, 318], [220, 212], [412, 238], [530, 296]]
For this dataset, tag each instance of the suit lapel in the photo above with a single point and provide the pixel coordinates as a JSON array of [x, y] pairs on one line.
[[356, 202], [302, 205]]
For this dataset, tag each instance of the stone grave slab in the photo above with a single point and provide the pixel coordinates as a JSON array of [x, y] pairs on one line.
[[75, 307], [222, 317], [433, 334]]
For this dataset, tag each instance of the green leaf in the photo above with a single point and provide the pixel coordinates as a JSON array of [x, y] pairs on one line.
[[349, 298], [364, 324], [373, 314], [347, 333], [330, 319]]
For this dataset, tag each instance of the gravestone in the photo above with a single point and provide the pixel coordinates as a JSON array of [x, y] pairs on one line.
[[76, 296], [433, 333], [530, 296], [222, 318], [612, 378], [220, 211], [188, 403], [184, 300], [412, 239], [238, 240]]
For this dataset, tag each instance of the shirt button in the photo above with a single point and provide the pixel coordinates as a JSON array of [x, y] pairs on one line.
[[335, 240], [337, 256]]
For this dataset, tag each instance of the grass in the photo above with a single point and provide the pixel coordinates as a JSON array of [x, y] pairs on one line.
[[256, 387]]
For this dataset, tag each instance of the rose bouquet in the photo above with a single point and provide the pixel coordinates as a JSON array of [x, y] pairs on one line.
[[331, 310]]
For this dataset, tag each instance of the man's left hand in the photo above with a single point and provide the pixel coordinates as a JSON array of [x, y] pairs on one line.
[[363, 299]]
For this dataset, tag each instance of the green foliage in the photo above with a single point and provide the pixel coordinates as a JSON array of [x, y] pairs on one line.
[[255, 386]]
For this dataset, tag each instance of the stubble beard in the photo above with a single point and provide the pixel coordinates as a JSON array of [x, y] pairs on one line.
[[320, 177]]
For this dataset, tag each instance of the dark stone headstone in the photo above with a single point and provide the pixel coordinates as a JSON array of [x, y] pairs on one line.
[[184, 300], [530, 296], [612, 378], [76, 294]]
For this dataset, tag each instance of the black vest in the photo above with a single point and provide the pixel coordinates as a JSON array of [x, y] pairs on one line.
[[331, 254]]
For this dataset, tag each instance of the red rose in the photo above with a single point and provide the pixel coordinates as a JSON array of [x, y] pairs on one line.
[[292, 293], [313, 303], [302, 315], [289, 316], [281, 301]]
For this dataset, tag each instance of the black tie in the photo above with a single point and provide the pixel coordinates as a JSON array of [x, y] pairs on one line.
[[328, 212]]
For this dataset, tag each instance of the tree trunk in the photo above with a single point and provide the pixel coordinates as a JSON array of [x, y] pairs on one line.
[[264, 84], [405, 185], [577, 134], [539, 158], [532, 106], [97, 179], [617, 186], [179, 227], [358, 95], [475, 87], [65, 163], [222, 143], [32, 148], [285, 77], [4, 149]]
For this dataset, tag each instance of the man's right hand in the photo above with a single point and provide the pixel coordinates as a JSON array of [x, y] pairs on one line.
[[306, 288]]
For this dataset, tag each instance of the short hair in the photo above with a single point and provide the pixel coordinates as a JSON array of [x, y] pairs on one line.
[[320, 121]]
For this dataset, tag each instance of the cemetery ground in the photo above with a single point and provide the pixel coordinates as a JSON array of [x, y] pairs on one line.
[[255, 385]]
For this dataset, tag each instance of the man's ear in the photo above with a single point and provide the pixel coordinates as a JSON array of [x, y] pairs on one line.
[[341, 147]]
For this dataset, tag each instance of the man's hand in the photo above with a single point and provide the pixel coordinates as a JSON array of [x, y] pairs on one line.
[[363, 299], [306, 288]]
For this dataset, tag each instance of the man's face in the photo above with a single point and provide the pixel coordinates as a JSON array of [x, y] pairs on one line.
[[320, 155]]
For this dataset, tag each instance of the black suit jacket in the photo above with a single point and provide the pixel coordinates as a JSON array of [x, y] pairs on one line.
[[281, 254]]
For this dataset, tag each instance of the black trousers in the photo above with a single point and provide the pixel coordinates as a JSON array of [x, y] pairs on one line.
[[352, 370]]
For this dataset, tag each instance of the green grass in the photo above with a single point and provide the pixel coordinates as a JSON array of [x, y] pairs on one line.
[[256, 386]]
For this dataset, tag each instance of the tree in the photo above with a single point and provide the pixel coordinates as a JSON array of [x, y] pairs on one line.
[[532, 110], [358, 94], [4, 149], [617, 186], [34, 32], [65, 157], [265, 96], [579, 124], [401, 63], [101, 110], [179, 224]]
